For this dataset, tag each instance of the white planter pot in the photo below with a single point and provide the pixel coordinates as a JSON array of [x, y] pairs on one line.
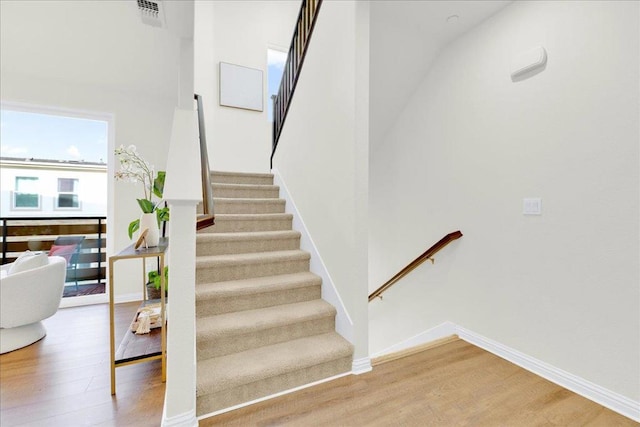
[[149, 221]]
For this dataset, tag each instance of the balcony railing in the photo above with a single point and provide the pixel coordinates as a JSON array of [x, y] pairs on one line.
[[39, 233]]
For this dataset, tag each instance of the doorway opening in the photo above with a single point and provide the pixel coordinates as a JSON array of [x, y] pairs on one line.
[[276, 58], [53, 182]]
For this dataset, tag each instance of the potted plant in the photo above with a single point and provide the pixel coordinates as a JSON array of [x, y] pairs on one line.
[[153, 284], [134, 168]]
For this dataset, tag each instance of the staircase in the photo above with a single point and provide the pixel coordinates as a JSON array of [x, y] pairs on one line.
[[261, 325]]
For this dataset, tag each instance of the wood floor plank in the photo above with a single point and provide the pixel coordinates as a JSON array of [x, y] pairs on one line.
[[64, 380], [454, 384]]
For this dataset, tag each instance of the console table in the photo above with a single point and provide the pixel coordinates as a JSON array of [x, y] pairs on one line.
[[139, 348]]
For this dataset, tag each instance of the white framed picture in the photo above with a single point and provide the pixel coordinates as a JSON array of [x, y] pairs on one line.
[[240, 87]]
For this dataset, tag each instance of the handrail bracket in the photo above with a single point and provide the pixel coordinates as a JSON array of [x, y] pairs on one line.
[[427, 255]]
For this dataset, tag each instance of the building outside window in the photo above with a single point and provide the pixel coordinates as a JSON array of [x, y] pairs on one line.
[[26, 195], [68, 193]]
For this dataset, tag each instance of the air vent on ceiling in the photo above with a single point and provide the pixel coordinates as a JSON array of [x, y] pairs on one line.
[[151, 12]]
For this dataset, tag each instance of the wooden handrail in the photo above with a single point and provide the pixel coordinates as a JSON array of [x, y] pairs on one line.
[[416, 262], [295, 58], [207, 218]]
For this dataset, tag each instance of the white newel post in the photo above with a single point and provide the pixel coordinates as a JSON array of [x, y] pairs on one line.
[[183, 191]]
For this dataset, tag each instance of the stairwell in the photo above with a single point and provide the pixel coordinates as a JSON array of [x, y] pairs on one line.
[[261, 325]]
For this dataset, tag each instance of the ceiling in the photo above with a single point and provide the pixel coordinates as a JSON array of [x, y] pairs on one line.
[[408, 36], [101, 43]]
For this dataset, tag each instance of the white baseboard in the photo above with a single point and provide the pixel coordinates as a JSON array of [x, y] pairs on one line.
[[443, 330], [187, 419], [344, 324], [272, 396], [361, 366], [607, 398], [132, 297], [84, 300], [99, 299]]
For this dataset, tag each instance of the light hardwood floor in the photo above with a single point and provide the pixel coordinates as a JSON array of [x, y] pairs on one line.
[[454, 384], [63, 380]]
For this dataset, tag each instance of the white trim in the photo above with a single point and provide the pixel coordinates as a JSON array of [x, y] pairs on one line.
[[84, 300], [55, 111], [132, 297], [110, 119], [361, 366], [607, 398], [443, 330], [187, 419], [614, 401], [99, 299], [344, 324], [272, 396]]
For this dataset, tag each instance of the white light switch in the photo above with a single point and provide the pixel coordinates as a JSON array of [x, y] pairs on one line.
[[532, 206]]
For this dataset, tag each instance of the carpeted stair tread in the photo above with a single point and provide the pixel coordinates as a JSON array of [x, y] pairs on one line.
[[263, 318], [258, 235], [250, 366], [248, 206], [239, 331], [241, 177], [262, 326], [231, 223], [257, 285], [245, 191], [251, 258], [245, 242], [218, 268], [247, 294]]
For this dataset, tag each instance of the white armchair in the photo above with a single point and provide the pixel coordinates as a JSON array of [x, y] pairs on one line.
[[27, 298]]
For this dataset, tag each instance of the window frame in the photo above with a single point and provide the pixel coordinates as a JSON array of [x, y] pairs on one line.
[[15, 193], [75, 193]]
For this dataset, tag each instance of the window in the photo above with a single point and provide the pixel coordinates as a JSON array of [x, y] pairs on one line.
[[275, 67], [68, 193], [26, 194]]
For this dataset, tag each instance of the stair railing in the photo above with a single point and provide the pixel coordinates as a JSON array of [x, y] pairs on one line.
[[295, 58], [427, 255], [207, 218]]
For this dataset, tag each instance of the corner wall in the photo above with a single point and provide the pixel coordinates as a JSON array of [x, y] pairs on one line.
[[323, 152], [238, 32], [562, 287]]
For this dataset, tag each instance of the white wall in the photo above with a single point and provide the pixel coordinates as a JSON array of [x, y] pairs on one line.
[[89, 178], [238, 32], [95, 56], [322, 155], [562, 287]]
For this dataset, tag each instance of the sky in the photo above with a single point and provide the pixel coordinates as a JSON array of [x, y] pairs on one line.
[[52, 137], [275, 67]]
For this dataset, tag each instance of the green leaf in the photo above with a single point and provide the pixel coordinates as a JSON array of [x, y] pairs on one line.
[[145, 205], [133, 227], [158, 184], [154, 278], [163, 214]]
